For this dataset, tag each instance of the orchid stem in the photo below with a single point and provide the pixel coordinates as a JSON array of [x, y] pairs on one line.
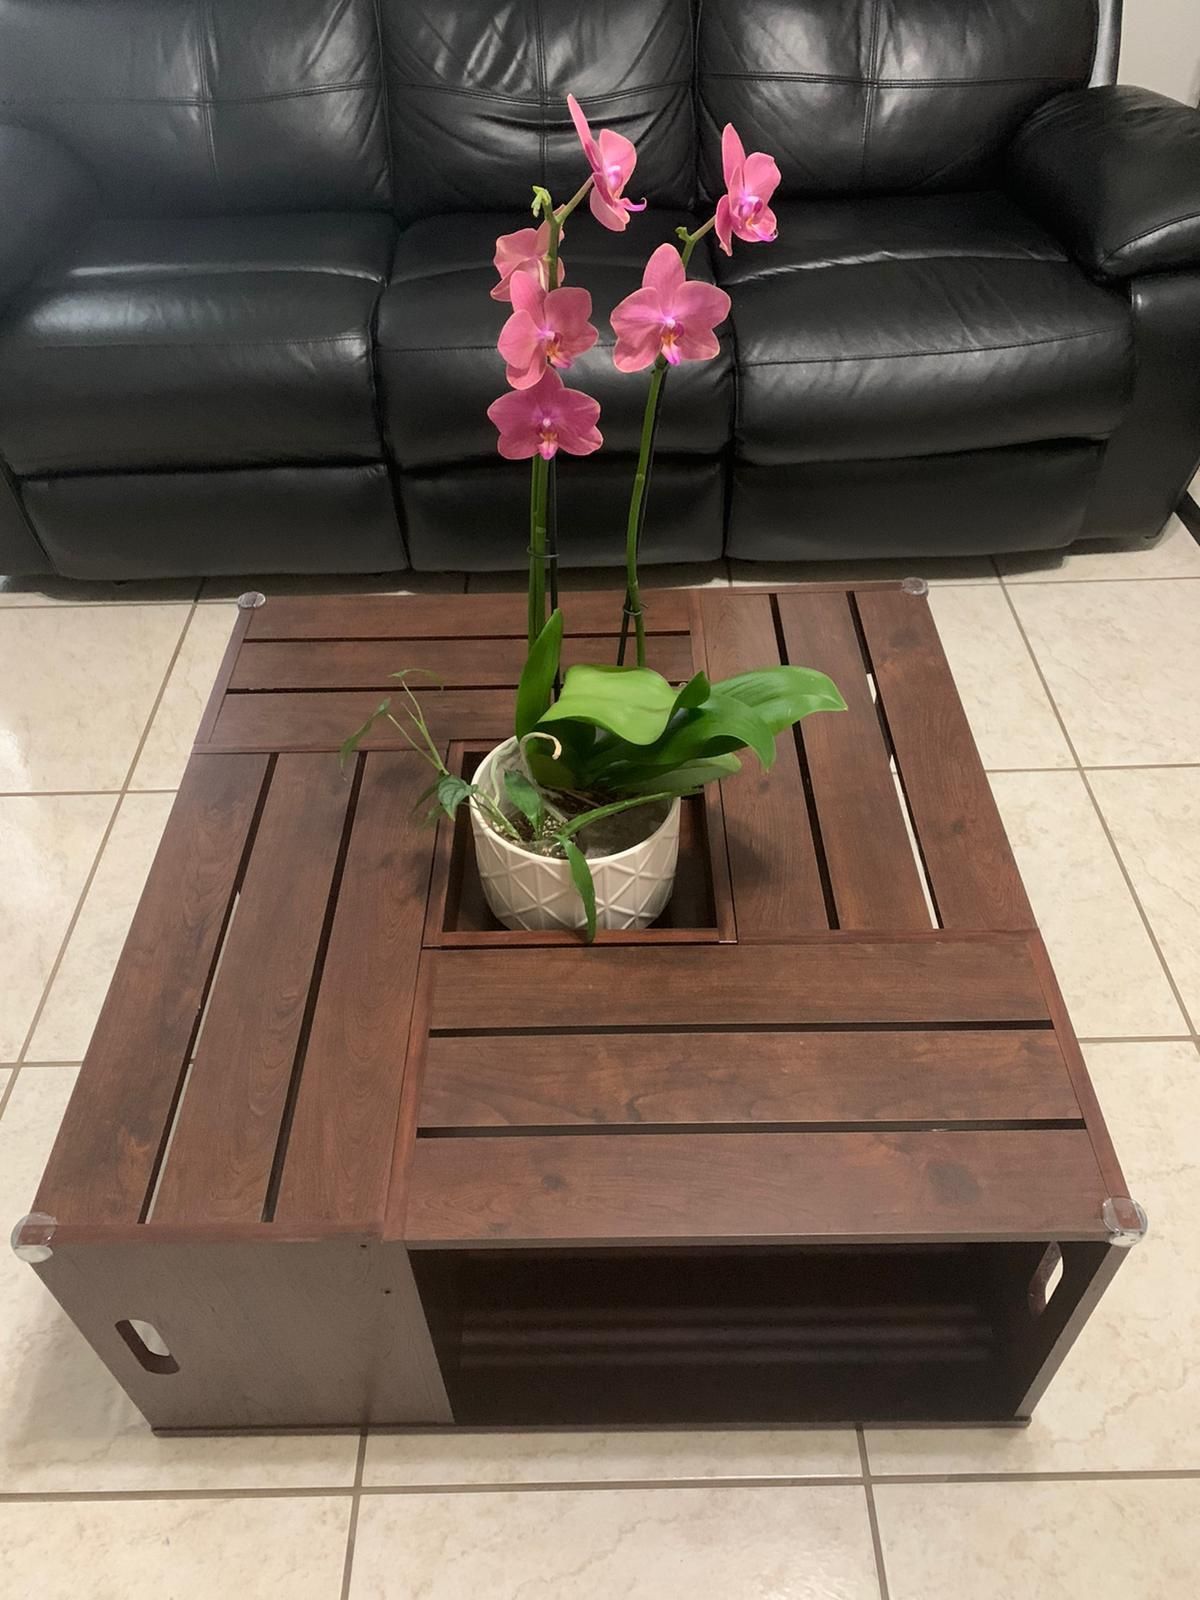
[[537, 547], [637, 518], [691, 240], [565, 211]]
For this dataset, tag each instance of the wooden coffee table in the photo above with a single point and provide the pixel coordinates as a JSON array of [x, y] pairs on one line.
[[820, 1147]]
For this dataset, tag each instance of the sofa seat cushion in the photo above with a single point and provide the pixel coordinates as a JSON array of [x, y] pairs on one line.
[[438, 364], [913, 326], [215, 342]]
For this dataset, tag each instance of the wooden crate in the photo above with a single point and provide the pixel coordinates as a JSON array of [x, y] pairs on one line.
[[813, 1149]]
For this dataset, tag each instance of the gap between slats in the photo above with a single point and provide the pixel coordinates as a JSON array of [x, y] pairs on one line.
[[906, 810], [608, 1130], [172, 1119], [1004, 1025], [314, 989]]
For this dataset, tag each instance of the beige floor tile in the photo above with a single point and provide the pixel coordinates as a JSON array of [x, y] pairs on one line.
[[175, 1549], [670, 575], [935, 570], [397, 1460], [5, 1075], [82, 980], [1010, 715], [47, 846], [1154, 815], [48, 591], [1122, 661], [1127, 1398], [173, 731], [65, 1424], [1040, 1541], [1111, 977], [705, 1544], [77, 685], [337, 583], [1176, 555]]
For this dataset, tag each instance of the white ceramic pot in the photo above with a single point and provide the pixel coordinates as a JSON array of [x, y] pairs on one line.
[[526, 890]]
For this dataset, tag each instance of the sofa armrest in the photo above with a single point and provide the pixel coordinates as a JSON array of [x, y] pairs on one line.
[[46, 196], [1114, 173]]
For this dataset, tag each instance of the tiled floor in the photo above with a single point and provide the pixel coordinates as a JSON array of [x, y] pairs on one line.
[[1080, 677]]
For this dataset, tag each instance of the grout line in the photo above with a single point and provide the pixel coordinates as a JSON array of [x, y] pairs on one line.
[[95, 867], [355, 1503], [868, 1480], [1149, 577], [1115, 1475], [872, 1515], [1101, 818]]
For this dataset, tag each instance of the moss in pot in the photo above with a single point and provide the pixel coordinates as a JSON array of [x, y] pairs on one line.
[[576, 817]]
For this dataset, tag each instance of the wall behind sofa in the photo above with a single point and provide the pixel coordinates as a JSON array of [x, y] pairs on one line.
[[1160, 47]]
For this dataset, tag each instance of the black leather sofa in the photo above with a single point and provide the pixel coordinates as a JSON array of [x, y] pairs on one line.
[[245, 260]]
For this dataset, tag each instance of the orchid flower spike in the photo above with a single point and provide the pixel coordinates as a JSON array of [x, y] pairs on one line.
[[612, 159], [544, 330], [750, 181], [523, 253], [545, 419], [669, 315]]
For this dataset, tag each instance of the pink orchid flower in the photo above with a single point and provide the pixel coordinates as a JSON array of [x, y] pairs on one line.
[[545, 419], [669, 315], [612, 159], [544, 330], [750, 181], [523, 254]]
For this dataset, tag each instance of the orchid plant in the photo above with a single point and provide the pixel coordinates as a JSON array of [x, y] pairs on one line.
[[607, 738]]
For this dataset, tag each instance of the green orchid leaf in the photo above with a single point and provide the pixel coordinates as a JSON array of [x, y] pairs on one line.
[[781, 695], [526, 798], [581, 876], [451, 791], [632, 702], [717, 727], [350, 746], [685, 779], [538, 674], [694, 693]]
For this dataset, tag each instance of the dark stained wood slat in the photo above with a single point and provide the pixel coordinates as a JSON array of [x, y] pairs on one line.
[[636, 1080], [772, 860], [708, 1188], [470, 663], [475, 616], [219, 1162], [321, 721], [875, 880], [339, 1153], [971, 869], [103, 1160], [1085, 1093], [918, 981]]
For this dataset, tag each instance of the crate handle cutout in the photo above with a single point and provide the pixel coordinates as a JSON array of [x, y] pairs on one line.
[[1046, 1279], [147, 1345]]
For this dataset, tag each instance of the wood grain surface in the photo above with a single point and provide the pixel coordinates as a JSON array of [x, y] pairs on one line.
[[921, 981], [760, 1188]]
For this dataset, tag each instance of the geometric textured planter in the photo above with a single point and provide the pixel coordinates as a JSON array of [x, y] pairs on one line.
[[525, 890]]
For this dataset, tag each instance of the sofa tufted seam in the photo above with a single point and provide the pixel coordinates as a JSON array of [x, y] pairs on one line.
[[872, 88], [46, 346], [855, 80], [1160, 227], [905, 355], [192, 100], [206, 92], [594, 100]]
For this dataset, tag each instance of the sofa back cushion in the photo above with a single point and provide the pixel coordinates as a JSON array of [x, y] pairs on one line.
[[854, 96], [199, 107], [477, 91]]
